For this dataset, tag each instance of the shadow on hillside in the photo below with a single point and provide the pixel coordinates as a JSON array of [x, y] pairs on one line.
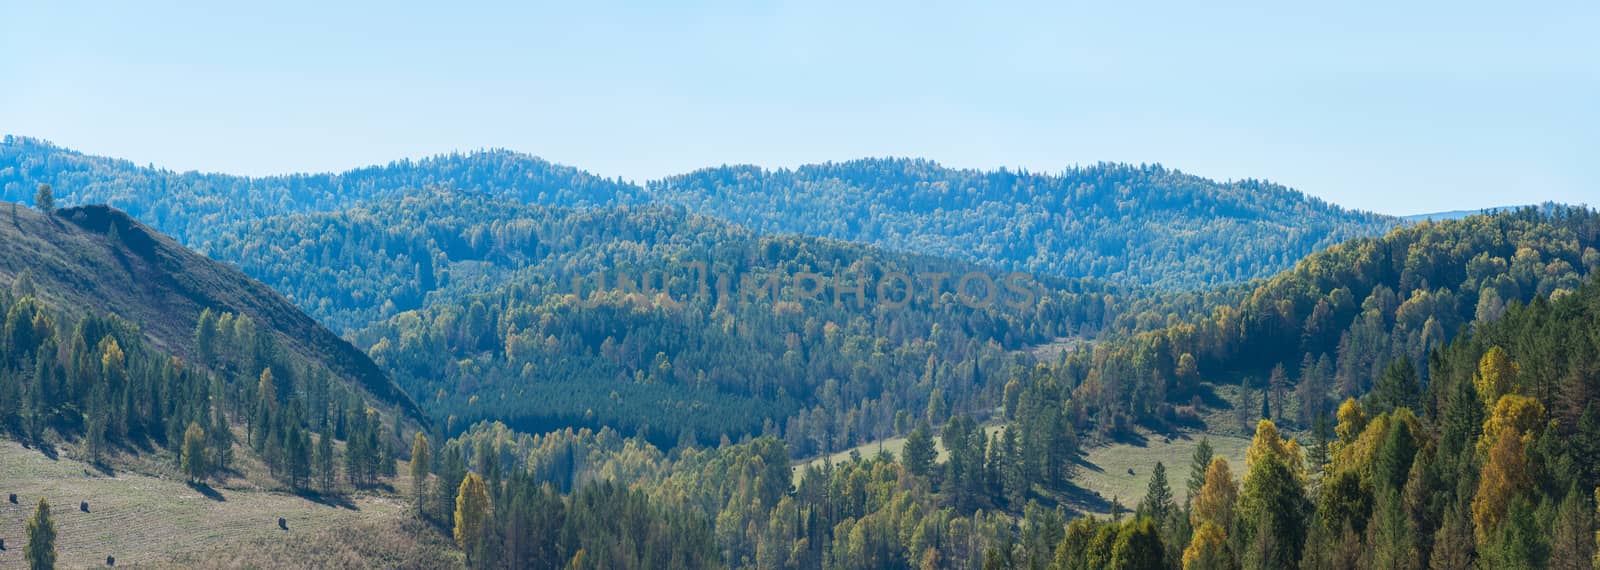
[[45, 449], [1083, 501], [1209, 396], [101, 468], [206, 491], [328, 499]]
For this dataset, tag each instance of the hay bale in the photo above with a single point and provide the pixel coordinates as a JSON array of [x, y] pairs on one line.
[[83, 506], [283, 523], [111, 561]]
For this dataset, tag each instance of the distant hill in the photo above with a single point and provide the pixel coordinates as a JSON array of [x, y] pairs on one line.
[[91, 260], [1145, 225], [1457, 214], [193, 205], [1130, 224]]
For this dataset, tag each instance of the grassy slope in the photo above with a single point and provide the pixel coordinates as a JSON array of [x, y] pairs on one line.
[[149, 279], [1105, 468], [147, 520]]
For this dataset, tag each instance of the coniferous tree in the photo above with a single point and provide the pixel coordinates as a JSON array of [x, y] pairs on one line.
[[325, 462], [1157, 503], [919, 451], [1199, 462], [40, 551]]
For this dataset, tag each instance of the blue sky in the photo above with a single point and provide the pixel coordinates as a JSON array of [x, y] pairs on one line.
[[1399, 109]]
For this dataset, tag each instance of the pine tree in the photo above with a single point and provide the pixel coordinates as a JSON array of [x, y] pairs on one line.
[[40, 551], [919, 451], [1157, 503], [1199, 462], [1398, 387], [325, 466], [471, 517], [1572, 545]]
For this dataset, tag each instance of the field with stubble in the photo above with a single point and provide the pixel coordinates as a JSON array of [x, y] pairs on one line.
[[154, 521]]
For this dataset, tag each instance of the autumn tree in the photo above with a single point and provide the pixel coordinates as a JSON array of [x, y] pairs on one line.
[[1496, 376], [1215, 501], [1505, 476], [472, 515], [1209, 550], [420, 459], [1272, 504], [194, 453]]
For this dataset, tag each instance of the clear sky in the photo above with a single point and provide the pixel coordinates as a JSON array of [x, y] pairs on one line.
[[1398, 107]]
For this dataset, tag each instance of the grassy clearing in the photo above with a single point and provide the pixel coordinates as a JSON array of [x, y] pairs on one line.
[[1105, 468], [155, 520], [894, 445]]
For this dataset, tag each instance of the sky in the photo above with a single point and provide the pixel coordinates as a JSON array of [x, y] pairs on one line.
[[1398, 108]]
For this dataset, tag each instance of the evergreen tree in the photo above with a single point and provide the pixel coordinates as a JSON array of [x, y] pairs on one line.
[[1398, 387], [919, 451], [1572, 545], [1157, 503], [40, 552], [1199, 462], [325, 462]]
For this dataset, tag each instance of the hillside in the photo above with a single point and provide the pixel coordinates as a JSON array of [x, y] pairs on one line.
[[480, 319], [95, 259], [193, 206], [1144, 225], [1128, 224], [153, 521], [1344, 321]]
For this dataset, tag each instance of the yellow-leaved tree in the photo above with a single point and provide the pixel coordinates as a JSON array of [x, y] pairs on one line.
[[1497, 375], [472, 514]]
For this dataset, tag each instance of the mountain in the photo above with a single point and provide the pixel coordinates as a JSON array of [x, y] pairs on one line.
[[1129, 224], [193, 206], [93, 260], [1145, 225], [1457, 214], [481, 318], [1334, 326]]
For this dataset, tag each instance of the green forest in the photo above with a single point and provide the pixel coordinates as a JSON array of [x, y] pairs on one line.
[[498, 362]]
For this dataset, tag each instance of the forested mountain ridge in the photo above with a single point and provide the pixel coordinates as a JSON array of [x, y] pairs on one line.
[[481, 319], [92, 260], [1334, 326], [1141, 224], [193, 206], [1130, 224]]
